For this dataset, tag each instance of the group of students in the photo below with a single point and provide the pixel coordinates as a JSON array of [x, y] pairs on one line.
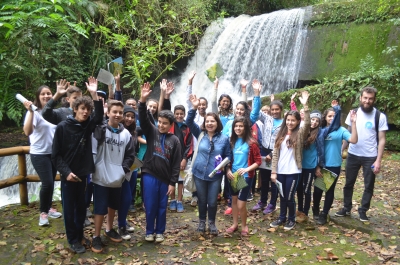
[[93, 143]]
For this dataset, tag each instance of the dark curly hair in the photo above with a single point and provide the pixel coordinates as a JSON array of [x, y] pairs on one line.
[[85, 100]]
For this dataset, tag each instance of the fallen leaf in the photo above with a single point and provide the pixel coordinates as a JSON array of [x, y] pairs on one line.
[[281, 260]]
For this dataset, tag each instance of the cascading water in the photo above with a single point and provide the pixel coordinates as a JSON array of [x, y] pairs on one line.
[[9, 168], [266, 47]]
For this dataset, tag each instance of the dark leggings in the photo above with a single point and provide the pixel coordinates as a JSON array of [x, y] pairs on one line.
[[47, 174], [287, 203], [329, 196], [304, 190]]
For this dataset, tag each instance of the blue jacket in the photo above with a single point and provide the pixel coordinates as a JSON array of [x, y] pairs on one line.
[[205, 160]]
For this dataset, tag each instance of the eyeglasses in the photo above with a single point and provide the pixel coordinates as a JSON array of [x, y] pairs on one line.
[[211, 146]]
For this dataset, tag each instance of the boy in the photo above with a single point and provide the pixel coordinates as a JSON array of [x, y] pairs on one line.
[[72, 156], [115, 155], [160, 169]]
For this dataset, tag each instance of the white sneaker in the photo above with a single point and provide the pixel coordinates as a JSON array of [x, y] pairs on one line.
[[124, 233], [194, 201], [43, 219], [149, 238], [159, 238], [129, 228], [54, 214]]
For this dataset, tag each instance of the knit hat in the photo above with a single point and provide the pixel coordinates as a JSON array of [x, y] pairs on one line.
[[315, 114], [129, 109]]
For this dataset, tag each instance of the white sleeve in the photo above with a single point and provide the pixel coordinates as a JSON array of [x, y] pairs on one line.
[[348, 120], [383, 126]]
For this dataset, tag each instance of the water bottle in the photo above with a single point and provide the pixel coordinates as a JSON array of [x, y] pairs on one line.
[[377, 176]]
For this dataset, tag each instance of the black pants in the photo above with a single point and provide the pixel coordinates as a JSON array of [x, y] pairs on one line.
[[329, 196], [74, 208]]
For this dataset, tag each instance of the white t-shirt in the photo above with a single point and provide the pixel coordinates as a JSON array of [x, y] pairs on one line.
[[287, 161], [198, 119], [42, 137], [366, 145]]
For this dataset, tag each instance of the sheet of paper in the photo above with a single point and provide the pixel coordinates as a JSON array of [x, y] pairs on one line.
[[264, 164], [105, 77], [136, 164], [279, 186]]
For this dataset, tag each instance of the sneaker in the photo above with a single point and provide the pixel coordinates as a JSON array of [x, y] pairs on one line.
[[322, 218], [159, 238], [342, 212], [193, 202], [129, 228], [88, 212], [363, 216], [149, 238], [54, 214], [259, 206], [172, 205], [202, 226], [132, 208], [228, 211], [250, 197], [289, 225], [270, 209], [179, 209], [87, 222], [276, 223], [212, 228], [43, 219], [77, 248], [86, 242], [315, 215], [124, 233], [96, 245], [113, 235]]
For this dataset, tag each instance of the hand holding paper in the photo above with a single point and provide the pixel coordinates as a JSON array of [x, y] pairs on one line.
[[219, 167]]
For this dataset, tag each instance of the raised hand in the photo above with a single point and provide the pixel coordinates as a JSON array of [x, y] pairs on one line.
[[163, 85], [272, 97], [145, 92], [244, 82], [353, 116], [334, 103], [293, 96], [216, 81], [191, 76], [304, 97], [256, 87], [27, 105], [62, 86], [194, 100], [170, 88], [92, 85]]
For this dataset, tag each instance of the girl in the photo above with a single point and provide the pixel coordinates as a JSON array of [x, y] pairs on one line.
[[287, 161], [41, 134], [246, 158], [333, 160], [212, 144]]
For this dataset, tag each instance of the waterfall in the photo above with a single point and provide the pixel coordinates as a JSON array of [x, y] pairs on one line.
[[266, 47], [8, 169]]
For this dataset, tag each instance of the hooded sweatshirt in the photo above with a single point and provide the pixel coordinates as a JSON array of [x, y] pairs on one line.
[[163, 156], [72, 144], [115, 155]]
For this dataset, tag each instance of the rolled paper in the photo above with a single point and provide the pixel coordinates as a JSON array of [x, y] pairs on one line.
[[23, 99], [224, 162]]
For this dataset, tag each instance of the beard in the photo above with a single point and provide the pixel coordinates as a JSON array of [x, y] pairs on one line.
[[367, 109]]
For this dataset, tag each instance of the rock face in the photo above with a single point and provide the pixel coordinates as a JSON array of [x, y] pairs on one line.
[[333, 50]]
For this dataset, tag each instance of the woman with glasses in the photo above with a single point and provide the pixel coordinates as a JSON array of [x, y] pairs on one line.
[[212, 148]]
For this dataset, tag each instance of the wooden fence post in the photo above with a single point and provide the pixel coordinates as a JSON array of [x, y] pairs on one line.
[[23, 186]]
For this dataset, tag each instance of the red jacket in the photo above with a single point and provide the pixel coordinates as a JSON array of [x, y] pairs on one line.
[[254, 157]]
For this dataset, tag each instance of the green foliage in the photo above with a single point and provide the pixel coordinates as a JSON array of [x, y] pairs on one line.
[[360, 11], [393, 143]]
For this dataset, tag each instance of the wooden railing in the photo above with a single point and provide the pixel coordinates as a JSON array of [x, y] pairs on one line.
[[22, 178]]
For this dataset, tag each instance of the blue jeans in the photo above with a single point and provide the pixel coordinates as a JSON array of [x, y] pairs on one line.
[[207, 194], [47, 174], [74, 208], [304, 190], [353, 165], [133, 184], [329, 195], [155, 202], [289, 186]]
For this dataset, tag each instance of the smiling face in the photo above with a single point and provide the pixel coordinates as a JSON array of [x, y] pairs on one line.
[[132, 103], [202, 106], [152, 106], [163, 125], [82, 113], [115, 114], [44, 96], [179, 115], [210, 124], [225, 103], [129, 118], [367, 101], [240, 110], [314, 123], [239, 129], [329, 117], [292, 122], [276, 112]]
